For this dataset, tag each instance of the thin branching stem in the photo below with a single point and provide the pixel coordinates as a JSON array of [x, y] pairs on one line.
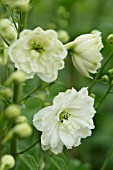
[[34, 90], [104, 96], [29, 147], [108, 159], [105, 62]]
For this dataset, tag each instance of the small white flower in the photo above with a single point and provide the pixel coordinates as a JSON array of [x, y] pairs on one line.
[[85, 51], [38, 52], [67, 121]]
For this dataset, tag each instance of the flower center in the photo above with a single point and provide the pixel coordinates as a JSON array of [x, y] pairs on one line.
[[63, 115], [37, 47]]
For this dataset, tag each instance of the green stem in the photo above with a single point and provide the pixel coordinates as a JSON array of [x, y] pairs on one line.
[[16, 90], [102, 99], [35, 89], [105, 62], [28, 147], [107, 160], [13, 144], [29, 94], [4, 40], [13, 19], [22, 24]]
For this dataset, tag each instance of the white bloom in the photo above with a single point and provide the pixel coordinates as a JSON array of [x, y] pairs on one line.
[[85, 51], [7, 30], [38, 52], [67, 121]]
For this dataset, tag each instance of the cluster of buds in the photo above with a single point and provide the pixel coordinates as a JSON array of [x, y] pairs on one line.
[[12, 112], [7, 35], [108, 78], [21, 128]]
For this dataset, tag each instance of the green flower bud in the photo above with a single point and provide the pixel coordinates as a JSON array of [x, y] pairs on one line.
[[110, 38], [6, 92], [7, 30], [22, 130], [12, 111], [63, 36], [21, 5], [112, 82], [94, 31], [110, 71], [105, 78], [21, 119], [7, 162], [16, 77], [93, 95]]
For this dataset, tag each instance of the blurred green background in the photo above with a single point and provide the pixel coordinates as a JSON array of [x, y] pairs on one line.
[[76, 17]]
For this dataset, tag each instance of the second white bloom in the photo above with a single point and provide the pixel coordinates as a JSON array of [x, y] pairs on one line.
[[85, 51], [38, 52], [67, 121]]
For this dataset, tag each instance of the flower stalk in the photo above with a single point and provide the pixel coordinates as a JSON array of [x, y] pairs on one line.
[[107, 160], [102, 99], [105, 62]]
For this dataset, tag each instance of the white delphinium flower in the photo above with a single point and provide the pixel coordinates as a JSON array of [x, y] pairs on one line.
[[85, 52], [7, 30], [67, 121], [38, 52]]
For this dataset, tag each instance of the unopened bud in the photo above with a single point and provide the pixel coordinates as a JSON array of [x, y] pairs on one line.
[[7, 30], [20, 119], [22, 130], [93, 95], [12, 111], [63, 36], [45, 104], [112, 82], [94, 31], [105, 78], [110, 71], [6, 92], [110, 38], [22, 5], [16, 77], [7, 162]]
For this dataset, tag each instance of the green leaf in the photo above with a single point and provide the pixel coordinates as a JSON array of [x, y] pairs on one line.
[[59, 161], [29, 161]]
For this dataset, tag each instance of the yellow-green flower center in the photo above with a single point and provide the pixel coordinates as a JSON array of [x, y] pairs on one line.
[[37, 47], [64, 115]]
